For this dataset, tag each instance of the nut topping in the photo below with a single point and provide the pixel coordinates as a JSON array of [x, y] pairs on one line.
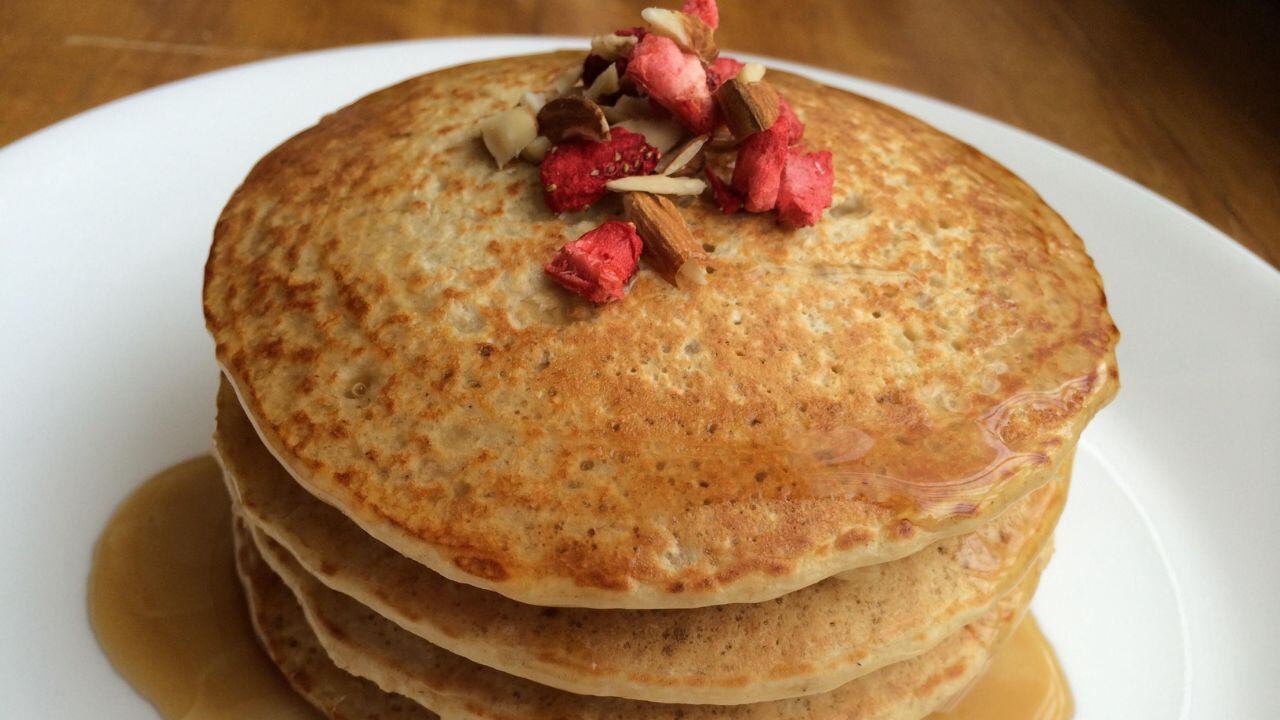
[[613, 46], [691, 33], [751, 72], [657, 184], [606, 83], [684, 160], [658, 132], [572, 118], [667, 241], [565, 81], [748, 107], [536, 150], [507, 133]]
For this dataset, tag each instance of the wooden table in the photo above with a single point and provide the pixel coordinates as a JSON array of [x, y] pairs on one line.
[[1182, 97]]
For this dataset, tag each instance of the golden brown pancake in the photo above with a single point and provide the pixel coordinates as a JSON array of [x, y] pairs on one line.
[[293, 647], [834, 397], [367, 645], [806, 642]]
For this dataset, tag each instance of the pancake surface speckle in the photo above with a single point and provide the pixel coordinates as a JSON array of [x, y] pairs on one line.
[[833, 397]]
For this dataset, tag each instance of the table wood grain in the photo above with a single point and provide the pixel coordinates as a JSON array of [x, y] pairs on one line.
[[1183, 97]]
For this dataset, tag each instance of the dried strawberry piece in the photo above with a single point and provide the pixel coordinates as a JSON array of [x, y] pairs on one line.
[[721, 70], [758, 171], [673, 79], [805, 190], [727, 199], [574, 173], [705, 10], [598, 265], [795, 127]]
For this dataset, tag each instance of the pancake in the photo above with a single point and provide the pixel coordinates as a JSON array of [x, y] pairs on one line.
[[809, 641], [833, 397], [367, 645], [293, 647]]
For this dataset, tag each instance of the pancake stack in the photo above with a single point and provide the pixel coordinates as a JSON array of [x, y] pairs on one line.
[[822, 485]]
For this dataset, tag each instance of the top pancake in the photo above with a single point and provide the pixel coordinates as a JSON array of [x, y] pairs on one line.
[[833, 397]]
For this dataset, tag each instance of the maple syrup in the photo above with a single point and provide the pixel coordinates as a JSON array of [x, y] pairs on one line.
[[1022, 682], [167, 608]]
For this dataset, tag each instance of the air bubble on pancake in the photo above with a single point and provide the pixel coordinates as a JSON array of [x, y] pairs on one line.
[[358, 386]]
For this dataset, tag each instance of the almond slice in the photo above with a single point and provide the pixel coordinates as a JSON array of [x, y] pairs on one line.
[[533, 101], [613, 46], [565, 81], [507, 133], [667, 241], [748, 107], [628, 107], [606, 83], [722, 139], [657, 184], [658, 132], [681, 161], [691, 33], [536, 150], [751, 72], [572, 117]]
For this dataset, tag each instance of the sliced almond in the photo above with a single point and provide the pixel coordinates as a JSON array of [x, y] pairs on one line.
[[572, 117], [628, 107], [682, 160], [751, 72], [691, 33], [667, 241], [613, 46], [658, 132], [748, 107], [565, 81], [507, 133], [606, 83], [722, 139], [657, 185], [533, 101], [536, 150]]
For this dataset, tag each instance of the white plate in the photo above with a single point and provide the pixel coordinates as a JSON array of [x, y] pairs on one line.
[[1161, 600]]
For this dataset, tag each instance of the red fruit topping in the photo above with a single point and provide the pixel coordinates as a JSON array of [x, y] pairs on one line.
[[574, 173], [675, 80], [795, 128], [637, 32], [706, 10], [805, 190], [727, 199], [722, 70], [758, 171], [598, 265]]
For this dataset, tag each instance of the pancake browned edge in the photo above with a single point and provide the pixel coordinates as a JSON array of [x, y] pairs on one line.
[[293, 647], [805, 642], [367, 645], [834, 397]]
